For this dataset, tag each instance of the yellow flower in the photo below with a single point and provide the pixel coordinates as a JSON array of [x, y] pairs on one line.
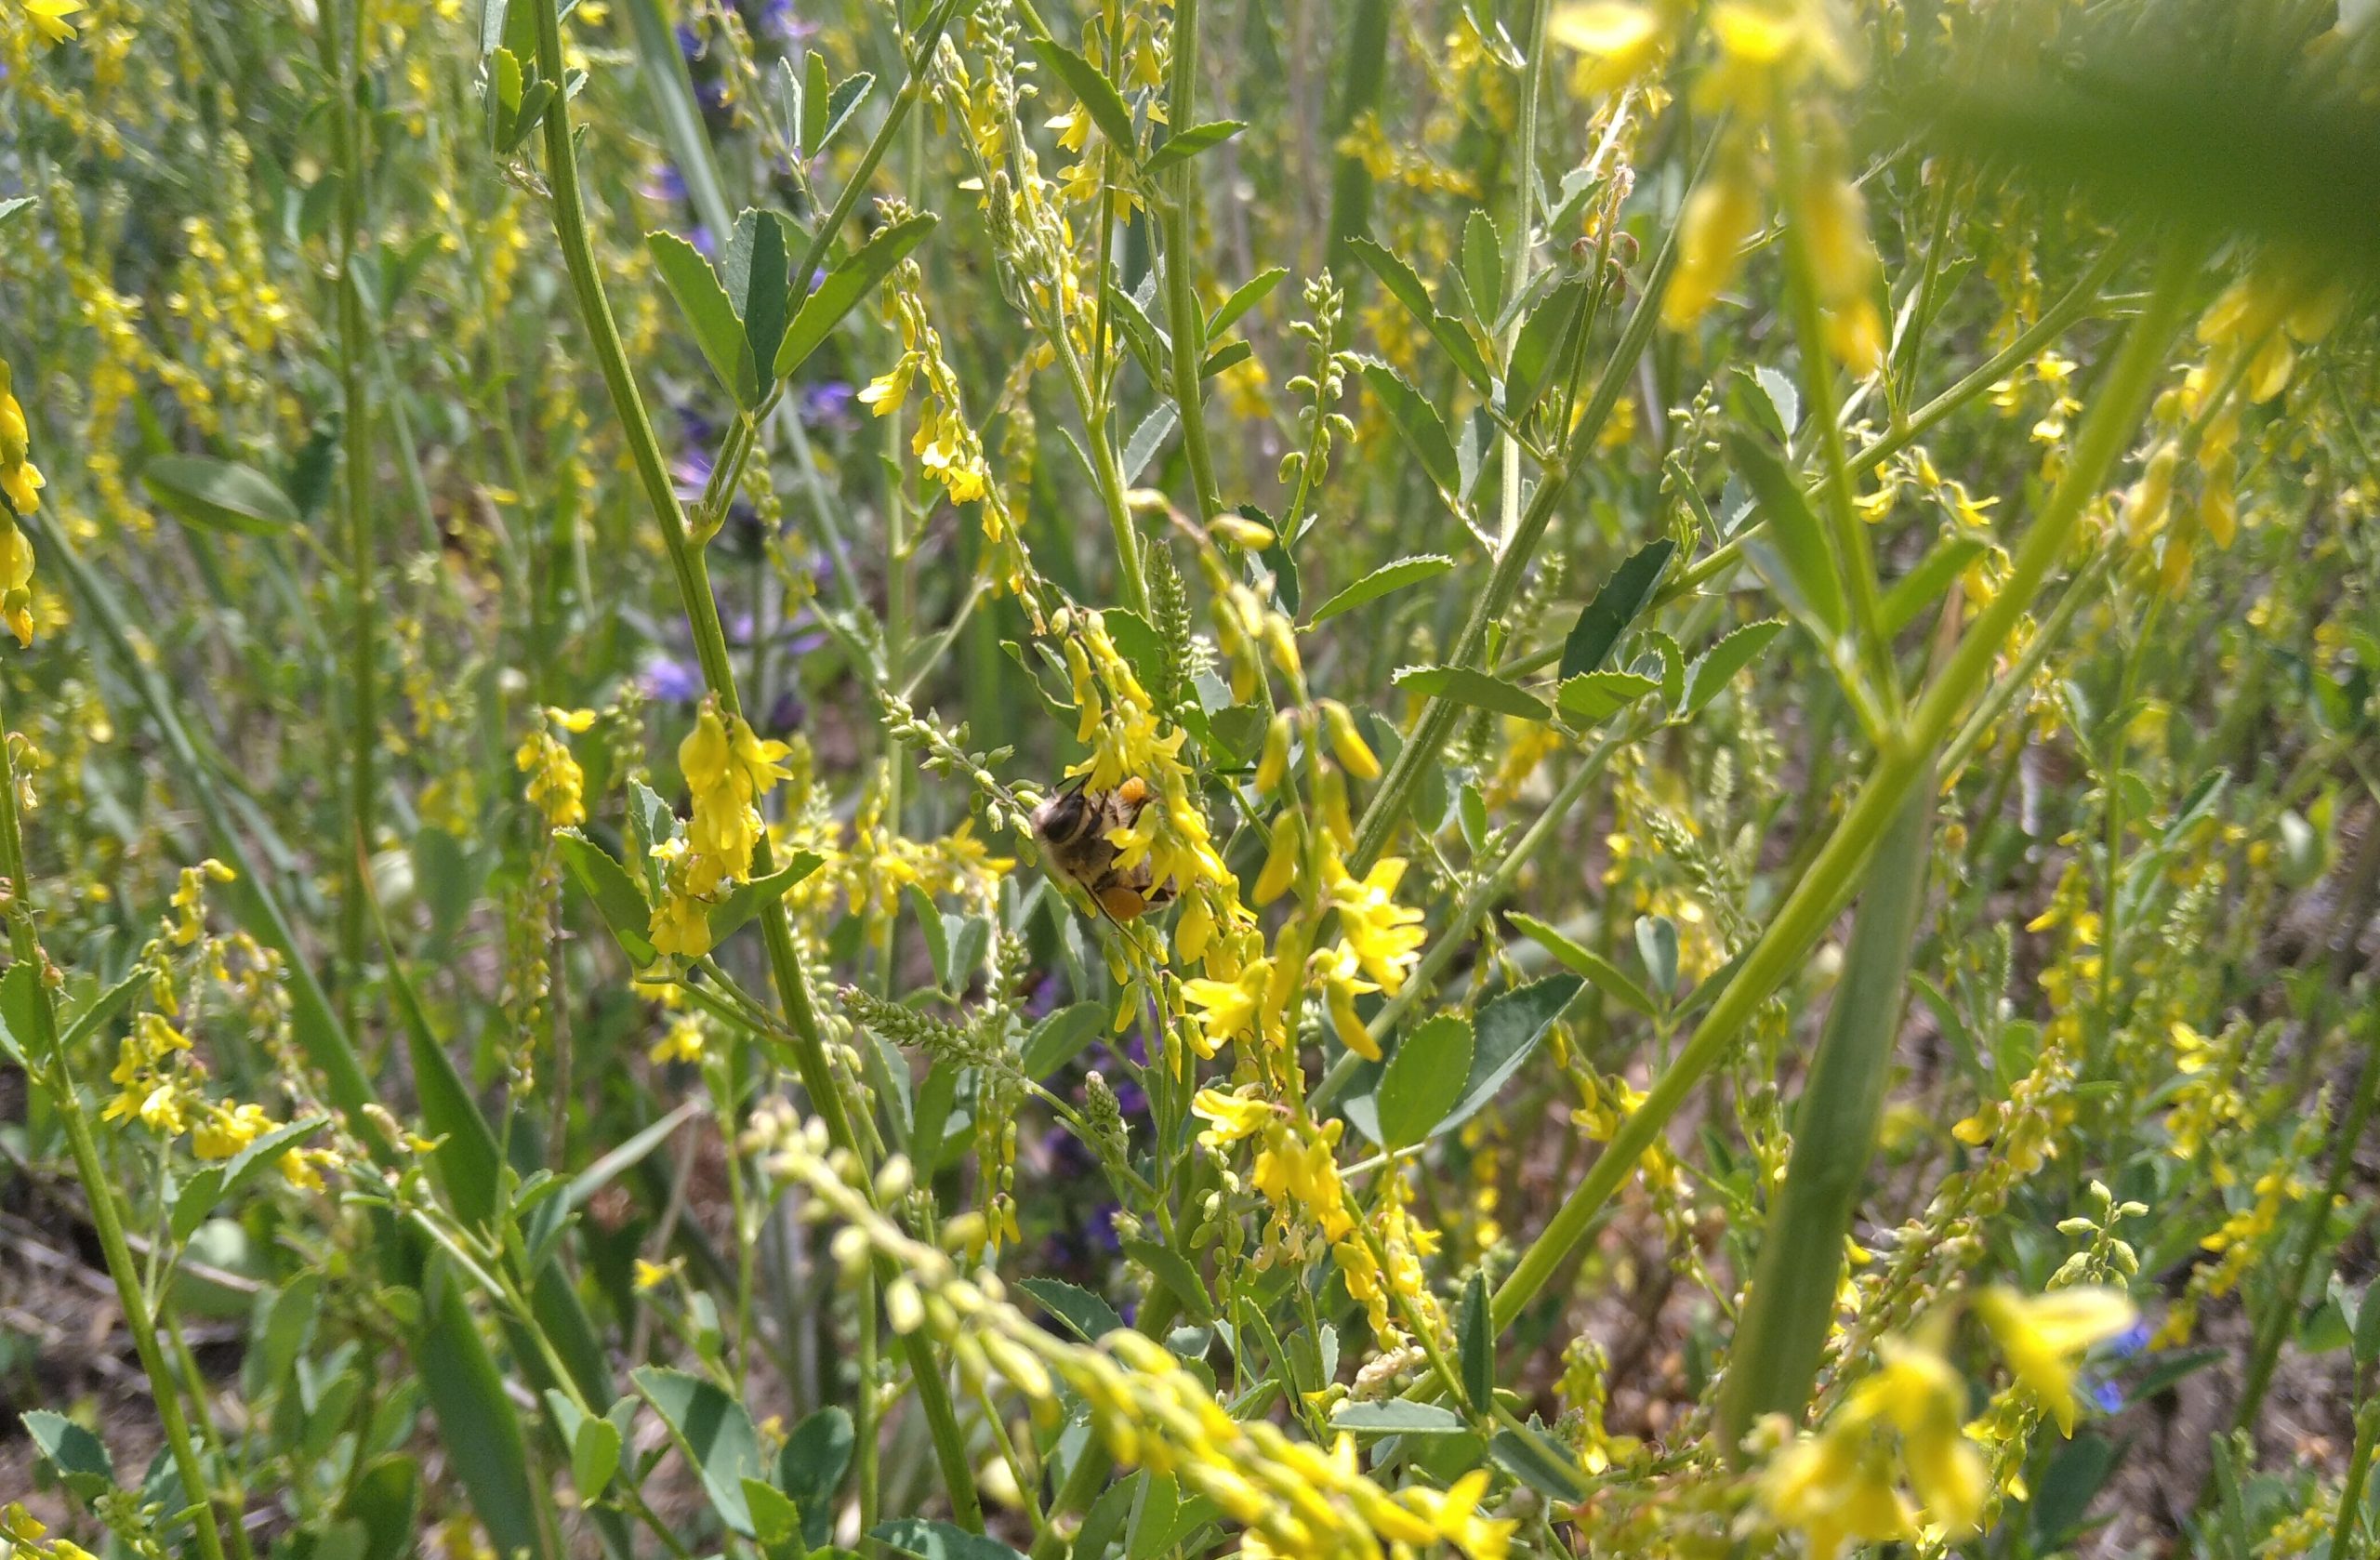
[[1234, 1116], [1229, 1010], [1623, 40], [556, 783], [49, 17], [1307, 1172], [229, 1128], [1385, 937], [683, 1043], [1719, 220], [2042, 1336], [651, 1275], [681, 925]]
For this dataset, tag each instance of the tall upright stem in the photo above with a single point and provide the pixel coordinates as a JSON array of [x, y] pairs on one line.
[[1185, 320], [98, 1186], [686, 561]]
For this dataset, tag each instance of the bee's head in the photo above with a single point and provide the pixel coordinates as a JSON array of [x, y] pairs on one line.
[[1065, 817]]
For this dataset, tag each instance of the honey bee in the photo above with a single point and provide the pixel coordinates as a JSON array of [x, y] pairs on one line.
[[1073, 827]]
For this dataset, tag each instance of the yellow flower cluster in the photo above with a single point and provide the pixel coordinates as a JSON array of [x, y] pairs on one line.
[[946, 442], [727, 769], [24, 1531], [556, 783], [1894, 1463], [1292, 1496], [21, 481], [150, 1085]]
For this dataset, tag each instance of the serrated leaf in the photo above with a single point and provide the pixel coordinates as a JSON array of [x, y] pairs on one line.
[[1090, 1318], [1381, 581], [1598, 695], [1060, 1037], [1418, 421], [757, 284], [938, 1541], [1793, 529], [704, 303], [1401, 281], [1534, 1460], [811, 1467], [1245, 296], [223, 495], [1717, 666], [217, 1184], [19, 1019], [714, 1432], [841, 103], [1784, 401], [1396, 1416], [616, 894], [80, 1457], [1598, 971], [1478, 689], [1507, 1028], [748, 900], [1147, 439], [845, 286], [1422, 1080], [1615, 606], [1099, 96], [1482, 264], [1189, 143], [594, 1456], [1172, 1270], [13, 205], [1544, 333], [1476, 1338]]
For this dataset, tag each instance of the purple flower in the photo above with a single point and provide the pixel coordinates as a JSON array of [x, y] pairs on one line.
[[2107, 1396], [670, 681], [690, 42], [779, 21], [2128, 1342], [664, 183], [828, 404]]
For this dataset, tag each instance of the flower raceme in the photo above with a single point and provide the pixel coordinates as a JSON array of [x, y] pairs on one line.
[[21, 481]]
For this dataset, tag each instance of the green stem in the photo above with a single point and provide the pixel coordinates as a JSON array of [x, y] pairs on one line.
[[1438, 717], [1811, 907], [1184, 321], [99, 1188], [810, 1056], [1778, 1342]]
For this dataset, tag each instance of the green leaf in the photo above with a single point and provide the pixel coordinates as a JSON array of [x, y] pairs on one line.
[[1546, 331], [1482, 264], [1623, 596], [2365, 1345], [1717, 666], [938, 1541], [1537, 1462], [1174, 1272], [1801, 546], [810, 1468], [218, 1183], [1396, 1416], [1401, 281], [1098, 93], [1422, 1080], [1599, 971], [713, 1432], [594, 1456], [220, 494], [755, 283], [616, 894], [1189, 143], [1060, 1037], [383, 1502], [748, 900], [1784, 402], [1476, 1337], [1477, 689], [1598, 695], [1381, 581], [776, 1521], [79, 1457], [1507, 1027], [841, 103], [1245, 296], [13, 205], [1090, 1318], [20, 997], [929, 919], [717, 331], [1925, 584], [845, 286]]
